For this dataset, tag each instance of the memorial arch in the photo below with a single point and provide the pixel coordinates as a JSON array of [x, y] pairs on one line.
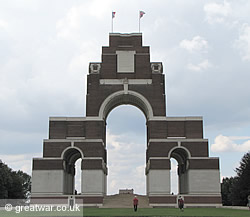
[[126, 76]]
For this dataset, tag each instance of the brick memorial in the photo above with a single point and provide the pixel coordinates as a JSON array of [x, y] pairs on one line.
[[126, 76]]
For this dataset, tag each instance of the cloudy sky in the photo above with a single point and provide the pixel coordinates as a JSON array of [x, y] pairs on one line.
[[45, 49]]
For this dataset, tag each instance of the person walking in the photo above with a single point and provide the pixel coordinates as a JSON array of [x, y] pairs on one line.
[[135, 202], [181, 203]]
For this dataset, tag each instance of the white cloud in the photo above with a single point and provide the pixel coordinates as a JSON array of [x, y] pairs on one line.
[[98, 8], [112, 140], [205, 64], [3, 24], [227, 143], [243, 42], [20, 161], [78, 19], [126, 163], [216, 13], [195, 45], [68, 27]]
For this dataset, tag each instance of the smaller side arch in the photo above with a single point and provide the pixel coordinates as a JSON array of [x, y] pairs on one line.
[[180, 148], [70, 155], [182, 156], [68, 148]]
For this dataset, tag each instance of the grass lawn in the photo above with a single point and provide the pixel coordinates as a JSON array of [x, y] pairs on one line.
[[167, 212], [141, 212]]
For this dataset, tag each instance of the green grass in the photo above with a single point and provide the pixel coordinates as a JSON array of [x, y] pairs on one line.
[[167, 212], [141, 212]]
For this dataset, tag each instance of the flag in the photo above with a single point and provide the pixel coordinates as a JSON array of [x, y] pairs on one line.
[[113, 14], [141, 14]]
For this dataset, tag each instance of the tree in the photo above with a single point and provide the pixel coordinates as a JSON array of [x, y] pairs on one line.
[[241, 184], [5, 180], [13, 184], [235, 190], [226, 191]]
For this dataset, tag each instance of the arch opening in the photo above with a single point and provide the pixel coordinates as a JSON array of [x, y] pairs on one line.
[[121, 98], [126, 149], [72, 159], [174, 176], [180, 165]]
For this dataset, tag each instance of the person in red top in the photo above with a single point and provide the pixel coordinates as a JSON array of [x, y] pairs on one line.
[[181, 203], [135, 202]]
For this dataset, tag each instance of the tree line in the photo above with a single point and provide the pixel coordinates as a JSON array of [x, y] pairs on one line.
[[13, 184], [235, 190]]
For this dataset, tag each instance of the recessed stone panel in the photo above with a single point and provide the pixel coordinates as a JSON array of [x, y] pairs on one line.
[[54, 149], [197, 149]]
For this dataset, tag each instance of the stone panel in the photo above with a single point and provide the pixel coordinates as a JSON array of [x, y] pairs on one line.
[[160, 149], [92, 164], [109, 66], [63, 129], [76, 128], [92, 149], [159, 164], [54, 149], [92, 182], [212, 163], [157, 129], [176, 128], [158, 181], [47, 164], [194, 129], [94, 129], [57, 129], [206, 181], [125, 61], [197, 149], [47, 181], [142, 66]]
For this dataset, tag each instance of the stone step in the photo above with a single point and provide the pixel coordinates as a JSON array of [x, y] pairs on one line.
[[125, 201]]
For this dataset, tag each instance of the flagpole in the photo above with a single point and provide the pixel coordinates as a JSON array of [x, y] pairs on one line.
[[139, 22], [112, 23]]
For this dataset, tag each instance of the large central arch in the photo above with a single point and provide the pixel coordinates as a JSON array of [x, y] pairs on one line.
[[125, 98], [126, 149], [126, 76]]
